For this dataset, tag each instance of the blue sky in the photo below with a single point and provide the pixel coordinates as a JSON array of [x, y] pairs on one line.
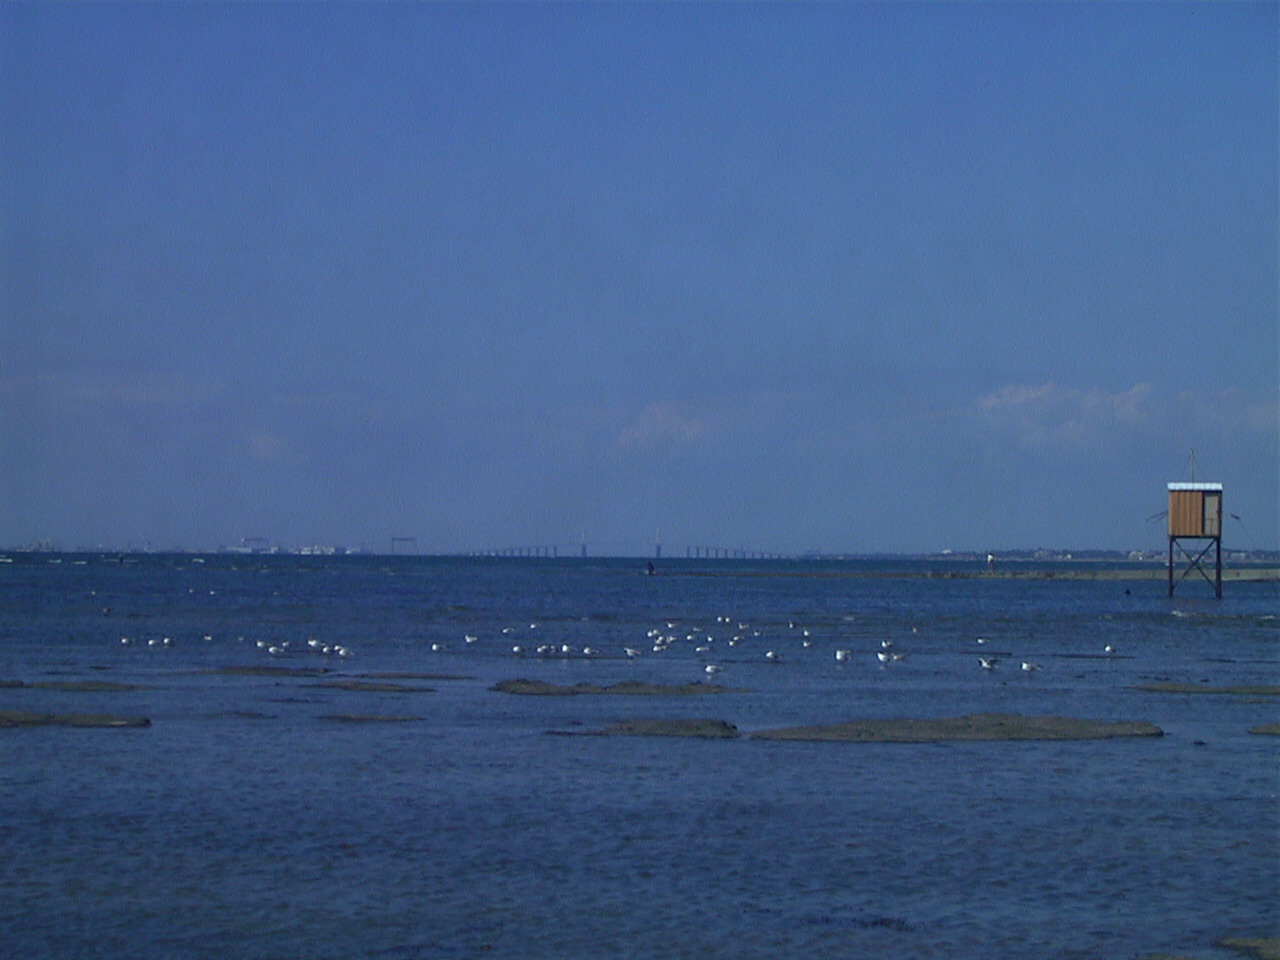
[[838, 276]]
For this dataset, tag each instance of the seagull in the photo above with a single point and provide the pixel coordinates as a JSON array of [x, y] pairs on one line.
[[1030, 667], [843, 655], [886, 644], [631, 651], [470, 638], [773, 657], [988, 663], [883, 657], [1108, 649], [982, 639], [517, 649], [712, 669]]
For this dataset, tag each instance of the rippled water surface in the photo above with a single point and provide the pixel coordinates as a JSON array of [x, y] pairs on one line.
[[246, 821]]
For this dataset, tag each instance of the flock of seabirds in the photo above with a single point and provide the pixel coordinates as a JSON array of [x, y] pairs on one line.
[[703, 642]]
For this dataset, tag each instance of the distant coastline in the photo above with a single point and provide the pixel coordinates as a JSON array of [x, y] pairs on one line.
[[1229, 574], [1242, 566]]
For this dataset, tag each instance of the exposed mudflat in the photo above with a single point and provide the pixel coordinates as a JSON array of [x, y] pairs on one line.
[[1247, 690], [373, 686], [71, 686], [271, 670], [628, 688], [976, 726], [1260, 948], [27, 718], [1268, 729], [988, 726], [709, 729], [408, 675]]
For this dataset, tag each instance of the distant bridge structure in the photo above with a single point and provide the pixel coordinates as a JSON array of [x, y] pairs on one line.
[[542, 550], [727, 553]]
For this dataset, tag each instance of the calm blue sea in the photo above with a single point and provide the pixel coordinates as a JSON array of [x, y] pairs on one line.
[[245, 822]]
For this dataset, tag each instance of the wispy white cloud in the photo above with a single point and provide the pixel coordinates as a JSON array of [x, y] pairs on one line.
[[1229, 412], [81, 392], [266, 446], [662, 424], [1052, 415]]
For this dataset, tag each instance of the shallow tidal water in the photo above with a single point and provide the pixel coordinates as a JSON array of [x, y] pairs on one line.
[[247, 822]]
